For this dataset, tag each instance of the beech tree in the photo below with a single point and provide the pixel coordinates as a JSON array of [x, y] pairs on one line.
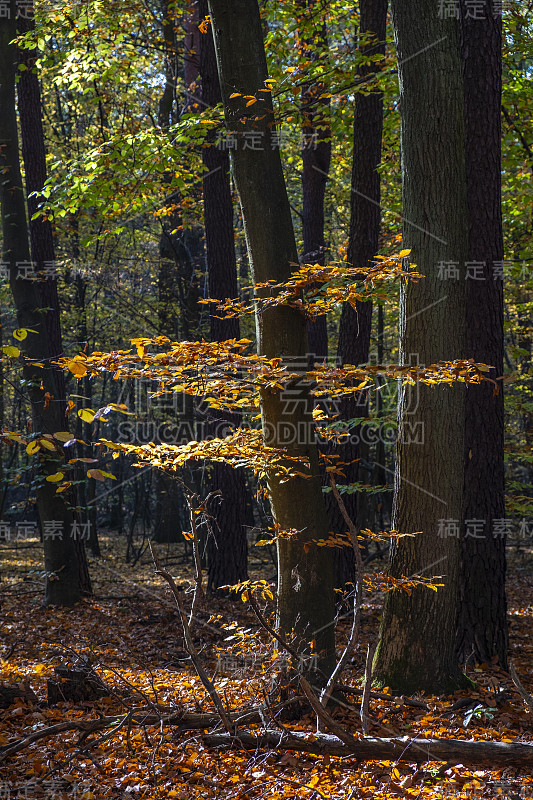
[[227, 547], [316, 159], [305, 579], [482, 623], [365, 218], [417, 639], [39, 326]]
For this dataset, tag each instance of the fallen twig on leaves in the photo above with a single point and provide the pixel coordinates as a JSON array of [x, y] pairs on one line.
[[524, 694]]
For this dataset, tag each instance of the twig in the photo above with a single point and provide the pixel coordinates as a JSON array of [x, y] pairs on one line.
[[524, 694], [323, 715], [350, 647], [407, 701], [191, 649], [198, 587], [194, 508], [266, 625], [365, 700]]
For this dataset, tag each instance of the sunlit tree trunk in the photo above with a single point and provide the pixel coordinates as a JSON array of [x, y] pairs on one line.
[[417, 640], [482, 624], [305, 585]]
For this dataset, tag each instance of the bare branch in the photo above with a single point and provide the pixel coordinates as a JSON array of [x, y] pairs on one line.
[[191, 649]]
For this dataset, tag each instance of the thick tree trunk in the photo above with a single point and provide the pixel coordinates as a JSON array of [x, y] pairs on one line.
[[365, 218], [227, 546], [417, 639], [482, 624], [305, 579], [61, 562]]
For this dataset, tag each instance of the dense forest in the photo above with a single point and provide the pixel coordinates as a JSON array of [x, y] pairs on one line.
[[266, 399]]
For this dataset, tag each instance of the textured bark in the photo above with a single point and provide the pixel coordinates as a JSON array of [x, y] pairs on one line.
[[227, 546], [61, 563], [316, 159], [305, 585], [454, 751], [417, 638], [365, 218], [43, 252], [177, 290], [482, 624]]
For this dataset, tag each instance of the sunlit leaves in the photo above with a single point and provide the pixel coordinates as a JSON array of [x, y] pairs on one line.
[[314, 289], [243, 448], [86, 414]]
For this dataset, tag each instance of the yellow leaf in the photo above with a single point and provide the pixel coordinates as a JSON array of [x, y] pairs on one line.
[[58, 476], [404, 253], [86, 414], [77, 368], [21, 333], [63, 436], [235, 94], [48, 445], [63, 487], [11, 352], [33, 447]]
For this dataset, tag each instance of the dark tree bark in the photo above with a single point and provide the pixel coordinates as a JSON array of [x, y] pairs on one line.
[[316, 159], [365, 218], [482, 624], [43, 251], [176, 289], [227, 546], [61, 562], [305, 579], [416, 650]]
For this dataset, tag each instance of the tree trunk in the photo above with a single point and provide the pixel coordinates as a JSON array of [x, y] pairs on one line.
[[316, 159], [482, 624], [417, 639], [365, 218], [61, 563], [175, 280], [305, 579], [227, 546]]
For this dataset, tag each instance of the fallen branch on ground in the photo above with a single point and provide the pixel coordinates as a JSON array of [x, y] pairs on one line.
[[496, 755]]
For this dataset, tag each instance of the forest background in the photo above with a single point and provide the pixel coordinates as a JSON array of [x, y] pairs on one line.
[[135, 221]]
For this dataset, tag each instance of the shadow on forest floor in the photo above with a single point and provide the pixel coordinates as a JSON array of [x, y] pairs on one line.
[[130, 631]]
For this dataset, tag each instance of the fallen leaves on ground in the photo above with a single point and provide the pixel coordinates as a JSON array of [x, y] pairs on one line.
[[131, 633]]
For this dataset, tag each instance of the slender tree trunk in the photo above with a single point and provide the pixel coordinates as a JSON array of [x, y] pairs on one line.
[[227, 546], [43, 250], [305, 579], [482, 624], [365, 218], [173, 279], [61, 561], [417, 638], [316, 159]]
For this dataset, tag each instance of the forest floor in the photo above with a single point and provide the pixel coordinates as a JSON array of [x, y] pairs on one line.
[[132, 634]]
